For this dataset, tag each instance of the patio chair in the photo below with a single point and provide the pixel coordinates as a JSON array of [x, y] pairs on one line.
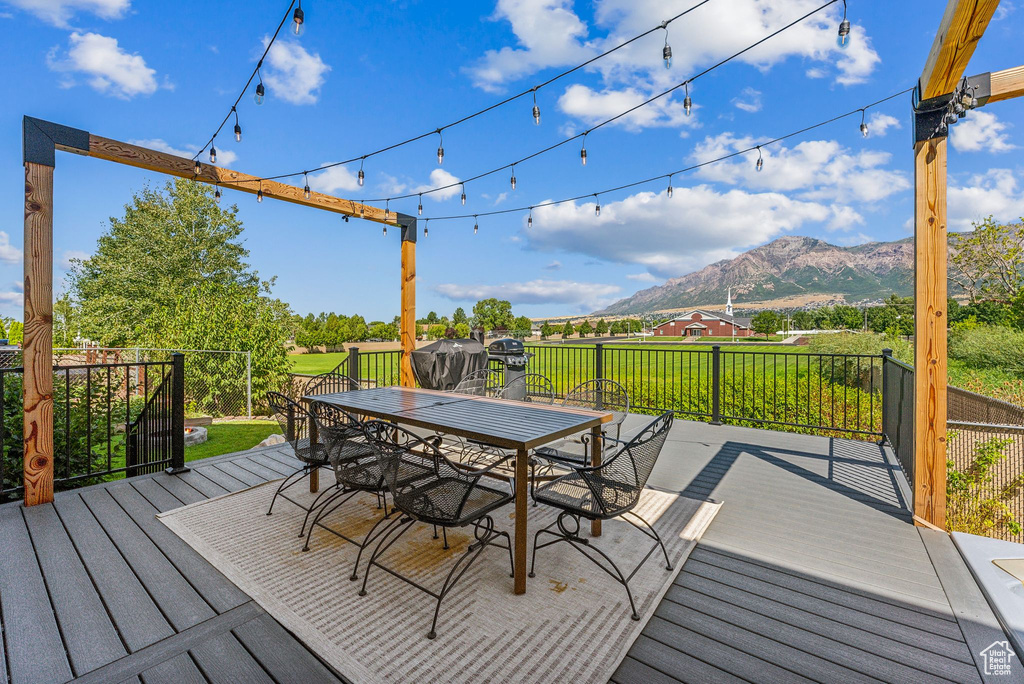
[[530, 387], [449, 497], [357, 471], [300, 432], [330, 383], [481, 383], [595, 395], [603, 492]]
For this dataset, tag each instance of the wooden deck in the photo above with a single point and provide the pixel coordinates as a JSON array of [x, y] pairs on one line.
[[811, 571]]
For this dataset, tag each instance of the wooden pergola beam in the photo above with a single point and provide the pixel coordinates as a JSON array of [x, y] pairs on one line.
[[996, 86], [41, 140], [962, 26]]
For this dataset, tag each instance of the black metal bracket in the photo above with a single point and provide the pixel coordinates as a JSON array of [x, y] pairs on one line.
[[408, 224], [933, 117], [43, 138]]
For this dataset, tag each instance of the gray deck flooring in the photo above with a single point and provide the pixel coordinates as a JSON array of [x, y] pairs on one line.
[[810, 572]]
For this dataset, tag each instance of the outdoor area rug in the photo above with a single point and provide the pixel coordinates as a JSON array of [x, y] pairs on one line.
[[573, 623]]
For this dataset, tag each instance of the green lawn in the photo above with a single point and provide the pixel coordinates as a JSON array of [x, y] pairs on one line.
[[229, 436], [314, 364]]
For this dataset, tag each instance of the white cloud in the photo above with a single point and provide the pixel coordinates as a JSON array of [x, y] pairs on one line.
[[548, 34], [749, 100], [644, 277], [554, 265], [224, 157], [107, 68], [440, 178], [818, 169], [9, 254], [15, 297], [69, 254], [292, 73], [585, 295], [670, 237], [879, 124], [593, 107], [334, 179], [60, 12], [997, 192], [981, 132]]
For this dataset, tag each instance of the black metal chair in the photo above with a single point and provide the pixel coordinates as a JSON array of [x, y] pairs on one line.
[[602, 492], [331, 382], [595, 395], [481, 383], [357, 471], [530, 387], [450, 496], [300, 432]]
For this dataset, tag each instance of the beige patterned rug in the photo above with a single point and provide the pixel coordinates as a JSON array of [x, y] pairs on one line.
[[572, 625]]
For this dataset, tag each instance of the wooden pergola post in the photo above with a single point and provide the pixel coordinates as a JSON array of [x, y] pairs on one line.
[[41, 141], [408, 314]]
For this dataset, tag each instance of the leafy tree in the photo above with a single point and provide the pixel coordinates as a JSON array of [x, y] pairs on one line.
[[765, 323], [222, 316], [462, 330], [803, 320], [568, 329], [493, 313], [64, 322], [432, 318], [618, 327], [169, 241], [975, 502], [847, 317], [547, 330], [522, 326], [459, 316], [585, 328], [435, 332], [16, 333], [602, 327], [988, 262]]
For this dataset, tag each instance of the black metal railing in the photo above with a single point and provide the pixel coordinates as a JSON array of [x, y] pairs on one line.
[[156, 437], [898, 410], [94, 406]]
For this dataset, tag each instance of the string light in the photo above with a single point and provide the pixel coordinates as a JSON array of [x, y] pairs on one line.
[[583, 150], [260, 90], [259, 193], [419, 207], [305, 190], [513, 179], [844, 30], [216, 194], [863, 124], [760, 159], [440, 148], [666, 52], [597, 206], [668, 191], [213, 154], [476, 224], [299, 20], [385, 231], [362, 176], [362, 210], [536, 109], [463, 194], [687, 102], [426, 228], [197, 167], [238, 129], [387, 210], [529, 219]]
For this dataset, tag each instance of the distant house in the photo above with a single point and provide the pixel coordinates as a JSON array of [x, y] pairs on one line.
[[702, 323]]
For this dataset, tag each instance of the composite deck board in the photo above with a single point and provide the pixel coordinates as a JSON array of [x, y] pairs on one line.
[[223, 659], [88, 634], [34, 649], [287, 661], [202, 484], [180, 489], [180, 669], [679, 665], [239, 473], [137, 618], [256, 468], [632, 671], [276, 466], [230, 484]]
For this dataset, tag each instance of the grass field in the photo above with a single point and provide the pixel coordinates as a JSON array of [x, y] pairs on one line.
[[232, 435], [314, 364]]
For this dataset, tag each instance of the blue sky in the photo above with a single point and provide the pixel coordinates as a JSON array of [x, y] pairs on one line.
[[365, 75]]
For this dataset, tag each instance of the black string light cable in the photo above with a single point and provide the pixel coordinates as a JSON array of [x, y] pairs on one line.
[[584, 134], [662, 177], [234, 107], [512, 98]]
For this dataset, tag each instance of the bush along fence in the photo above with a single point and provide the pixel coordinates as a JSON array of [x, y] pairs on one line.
[[111, 420]]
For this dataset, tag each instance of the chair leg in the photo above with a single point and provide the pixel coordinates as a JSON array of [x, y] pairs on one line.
[[382, 547], [444, 535], [326, 509], [286, 483], [329, 494], [533, 559], [654, 534], [369, 539]]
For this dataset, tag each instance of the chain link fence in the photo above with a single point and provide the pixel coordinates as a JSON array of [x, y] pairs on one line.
[[218, 383]]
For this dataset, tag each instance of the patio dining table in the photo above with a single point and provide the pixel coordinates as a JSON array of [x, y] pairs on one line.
[[515, 425]]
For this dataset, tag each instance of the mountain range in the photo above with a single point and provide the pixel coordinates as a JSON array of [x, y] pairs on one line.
[[791, 271]]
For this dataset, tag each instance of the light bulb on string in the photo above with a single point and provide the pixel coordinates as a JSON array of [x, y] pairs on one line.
[[863, 124], [197, 168], [687, 102], [666, 52], [529, 219], [668, 191], [385, 231], [476, 225], [299, 20], [463, 194], [305, 190], [361, 176], [387, 209], [238, 129], [583, 150], [259, 193], [216, 193], [419, 207], [213, 154], [512, 181], [597, 206], [426, 228], [844, 30], [760, 160], [536, 109], [260, 90], [440, 148]]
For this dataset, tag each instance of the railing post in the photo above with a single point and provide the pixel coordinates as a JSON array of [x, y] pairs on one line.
[[248, 383], [886, 399], [716, 384], [177, 414], [599, 361], [353, 364]]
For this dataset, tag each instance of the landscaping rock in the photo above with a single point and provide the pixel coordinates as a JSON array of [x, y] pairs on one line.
[[272, 439]]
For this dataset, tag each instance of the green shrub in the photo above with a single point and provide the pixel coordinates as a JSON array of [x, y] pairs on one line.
[[975, 503], [988, 346]]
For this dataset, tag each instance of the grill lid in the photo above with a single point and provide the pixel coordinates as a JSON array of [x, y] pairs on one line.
[[507, 346]]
